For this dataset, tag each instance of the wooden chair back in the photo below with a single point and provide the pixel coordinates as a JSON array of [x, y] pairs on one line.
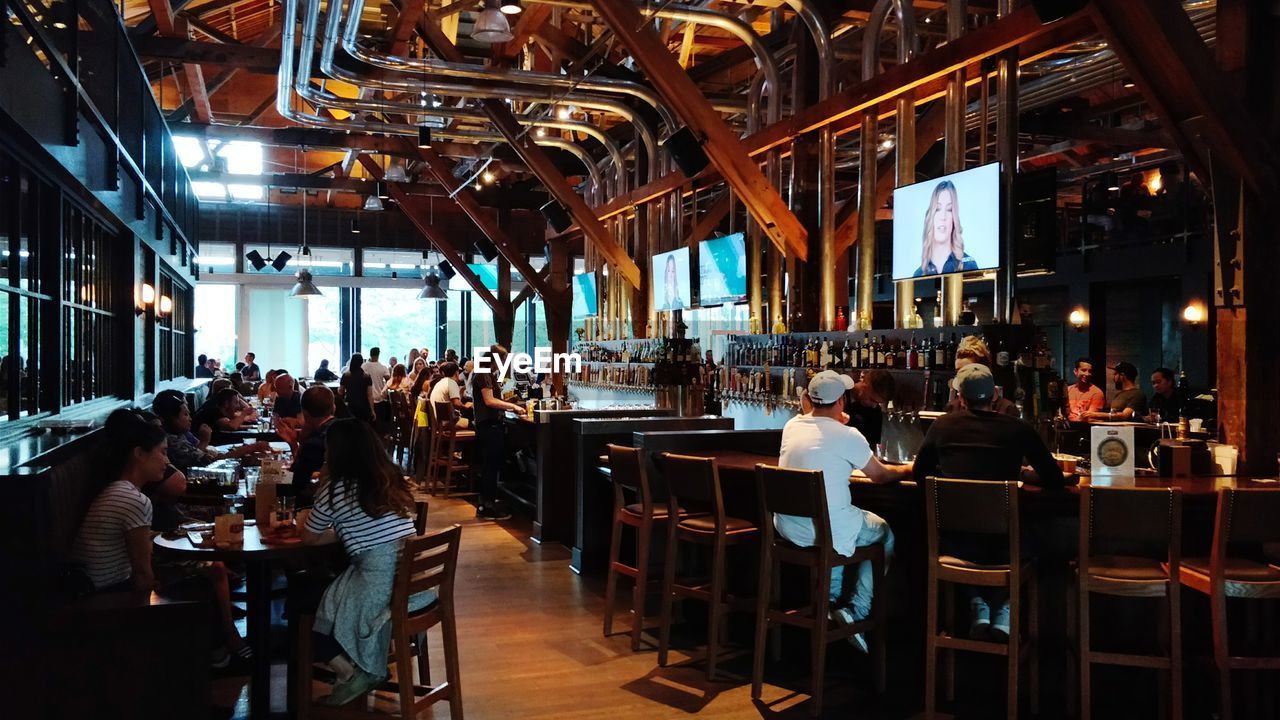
[[789, 491], [428, 562], [973, 507], [1133, 522], [693, 482], [626, 468]]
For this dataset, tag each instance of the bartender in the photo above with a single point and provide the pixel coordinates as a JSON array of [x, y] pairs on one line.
[[1167, 402], [862, 404], [973, 351]]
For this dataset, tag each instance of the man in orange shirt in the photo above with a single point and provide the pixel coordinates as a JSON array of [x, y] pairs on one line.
[[1084, 397]]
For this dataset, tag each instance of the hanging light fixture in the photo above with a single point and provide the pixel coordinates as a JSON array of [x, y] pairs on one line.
[[424, 137], [304, 287], [510, 7], [431, 289], [373, 203], [491, 25], [396, 173]]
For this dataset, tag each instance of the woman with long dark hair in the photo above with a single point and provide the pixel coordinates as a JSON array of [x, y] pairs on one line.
[[356, 389], [365, 498]]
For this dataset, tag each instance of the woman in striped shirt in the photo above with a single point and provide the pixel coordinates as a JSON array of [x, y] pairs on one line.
[[364, 498]]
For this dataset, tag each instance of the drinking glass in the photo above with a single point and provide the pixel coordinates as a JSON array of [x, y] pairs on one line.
[[284, 510]]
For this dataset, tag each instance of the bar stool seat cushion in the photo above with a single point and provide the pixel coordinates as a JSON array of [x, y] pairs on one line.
[[660, 511], [951, 561], [966, 572], [707, 524], [465, 434], [1244, 578], [1128, 576]]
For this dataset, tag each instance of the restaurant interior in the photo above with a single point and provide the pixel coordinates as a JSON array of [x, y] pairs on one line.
[[638, 359]]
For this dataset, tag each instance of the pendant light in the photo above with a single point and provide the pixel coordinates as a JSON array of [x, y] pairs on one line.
[[491, 25], [431, 289], [304, 287], [510, 7]]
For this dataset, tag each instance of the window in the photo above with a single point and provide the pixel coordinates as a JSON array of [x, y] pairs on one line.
[[520, 335], [395, 320], [237, 157], [453, 326], [217, 257], [87, 323], [323, 336], [394, 263], [174, 324], [215, 321], [482, 334], [323, 261]]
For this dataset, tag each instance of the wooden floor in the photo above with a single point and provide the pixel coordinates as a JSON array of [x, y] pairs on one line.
[[531, 647]]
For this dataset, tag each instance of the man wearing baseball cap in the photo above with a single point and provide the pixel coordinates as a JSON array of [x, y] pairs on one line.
[[977, 443], [819, 440], [1128, 401]]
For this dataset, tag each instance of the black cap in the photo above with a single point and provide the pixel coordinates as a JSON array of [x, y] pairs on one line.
[[1126, 369]]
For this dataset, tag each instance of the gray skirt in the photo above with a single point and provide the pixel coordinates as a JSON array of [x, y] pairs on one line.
[[356, 607]]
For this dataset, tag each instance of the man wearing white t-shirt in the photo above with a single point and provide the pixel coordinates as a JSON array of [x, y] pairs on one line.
[[447, 390], [820, 440], [376, 371]]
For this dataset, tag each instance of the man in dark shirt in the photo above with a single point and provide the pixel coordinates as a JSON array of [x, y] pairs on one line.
[[862, 404], [1167, 403], [317, 415], [977, 443], [288, 400], [251, 372], [1128, 403], [490, 432], [202, 367]]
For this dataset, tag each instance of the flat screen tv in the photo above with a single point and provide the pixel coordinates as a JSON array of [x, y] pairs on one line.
[[670, 276], [948, 224], [584, 295], [722, 270], [488, 275]]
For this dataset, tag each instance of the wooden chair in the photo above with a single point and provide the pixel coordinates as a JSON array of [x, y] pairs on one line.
[[1130, 546], [697, 480], [401, 428], [446, 437], [802, 493], [627, 473], [1249, 518], [426, 563], [979, 508]]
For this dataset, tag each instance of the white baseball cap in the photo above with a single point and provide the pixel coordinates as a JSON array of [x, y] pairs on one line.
[[828, 386]]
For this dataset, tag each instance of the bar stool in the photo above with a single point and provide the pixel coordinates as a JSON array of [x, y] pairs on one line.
[[426, 563], [802, 493], [697, 480], [446, 438], [1244, 517], [1130, 546], [979, 508], [627, 473]]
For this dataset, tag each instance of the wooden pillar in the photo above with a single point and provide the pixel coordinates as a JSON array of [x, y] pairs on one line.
[[557, 305]]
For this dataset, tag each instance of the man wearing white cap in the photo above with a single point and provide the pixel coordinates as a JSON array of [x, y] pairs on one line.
[[977, 443], [820, 440]]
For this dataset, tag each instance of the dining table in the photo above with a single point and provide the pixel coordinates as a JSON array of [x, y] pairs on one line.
[[260, 554]]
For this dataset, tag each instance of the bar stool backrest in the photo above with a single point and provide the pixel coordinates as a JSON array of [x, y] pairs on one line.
[[790, 491], [1135, 522], [693, 480], [445, 415], [428, 562], [973, 507], [1249, 517], [626, 468]]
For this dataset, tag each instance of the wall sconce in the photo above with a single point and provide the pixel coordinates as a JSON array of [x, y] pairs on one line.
[[1078, 319], [166, 306], [1194, 314], [145, 297]]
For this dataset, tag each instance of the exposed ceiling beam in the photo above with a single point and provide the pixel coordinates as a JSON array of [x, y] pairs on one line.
[[521, 199], [527, 291], [410, 11], [710, 220], [466, 199], [169, 25], [531, 19], [267, 37], [722, 146], [413, 210], [539, 163], [263, 61], [1121, 137]]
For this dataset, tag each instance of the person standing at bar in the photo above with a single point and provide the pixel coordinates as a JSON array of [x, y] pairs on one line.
[[1167, 401], [1084, 397], [1129, 403], [491, 438], [978, 443], [819, 440]]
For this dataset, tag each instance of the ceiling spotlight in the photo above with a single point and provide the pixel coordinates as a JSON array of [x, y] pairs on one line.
[[565, 112], [373, 203], [424, 137], [557, 216], [281, 260], [477, 185], [304, 288], [382, 191], [491, 25], [488, 177], [256, 259], [542, 132], [510, 7], [887, 143], [1128, 83], [686, 149], [446, 269]]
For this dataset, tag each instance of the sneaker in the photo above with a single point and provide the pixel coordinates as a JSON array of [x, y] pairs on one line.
[[844, 616], [360, 683], [980, 619], [1000, 625], [492, 512]]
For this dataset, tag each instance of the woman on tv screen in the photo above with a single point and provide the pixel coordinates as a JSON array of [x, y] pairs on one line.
[[672, 300], [943, 237]]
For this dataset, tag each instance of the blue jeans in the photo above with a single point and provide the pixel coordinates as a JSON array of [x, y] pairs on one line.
[[874, 530]]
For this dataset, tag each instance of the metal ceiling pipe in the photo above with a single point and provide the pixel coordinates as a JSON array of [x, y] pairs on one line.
[[284, 106]]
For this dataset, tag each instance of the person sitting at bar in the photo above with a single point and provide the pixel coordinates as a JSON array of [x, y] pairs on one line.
[[490, 433], [288, 406], [1129, 403], [317, 417], [862, 407], [819, 440], [251, 372], [113, 544], [1084, 397], [1167, 402], [237, 383], [376, 370], [973, 350], [447, 391], [365, 498], [398, 382], [978, 443], [189, 449], [324, 374], [356, 389], [202, 367], [221, 412], [418, 366]]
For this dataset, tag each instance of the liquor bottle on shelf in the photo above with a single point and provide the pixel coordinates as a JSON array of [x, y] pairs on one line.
[[890, 356], [913, 354], [1002, 354], [864, 351], [940, 353], [900, 354]]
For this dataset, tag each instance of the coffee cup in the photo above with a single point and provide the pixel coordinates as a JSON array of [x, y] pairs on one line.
[[1196, 425]]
